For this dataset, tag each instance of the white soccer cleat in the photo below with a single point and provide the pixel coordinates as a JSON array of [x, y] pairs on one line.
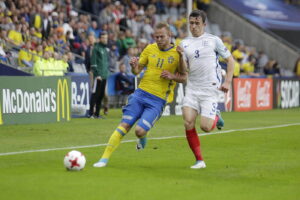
[[199, 165], [101, 163]]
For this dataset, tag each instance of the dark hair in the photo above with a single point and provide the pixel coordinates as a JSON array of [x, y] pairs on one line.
[[199, 13]]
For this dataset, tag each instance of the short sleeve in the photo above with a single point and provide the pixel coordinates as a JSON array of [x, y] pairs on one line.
[[144, 56], [181, 44], [221, 49]]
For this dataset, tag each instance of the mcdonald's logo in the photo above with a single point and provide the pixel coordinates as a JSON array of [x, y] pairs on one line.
[[63, 98]]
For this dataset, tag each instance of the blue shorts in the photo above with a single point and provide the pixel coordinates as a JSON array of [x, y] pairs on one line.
[[143, 106]]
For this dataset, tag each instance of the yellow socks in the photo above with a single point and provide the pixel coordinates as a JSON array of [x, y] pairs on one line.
[[114, 142]]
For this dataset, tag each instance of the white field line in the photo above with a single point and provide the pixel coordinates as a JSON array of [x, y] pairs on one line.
[[154, 138]]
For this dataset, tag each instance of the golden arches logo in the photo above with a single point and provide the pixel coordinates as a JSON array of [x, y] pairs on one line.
[[62, 94]]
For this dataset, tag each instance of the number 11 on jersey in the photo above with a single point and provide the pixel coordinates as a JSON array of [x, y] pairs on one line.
[[160, 62]]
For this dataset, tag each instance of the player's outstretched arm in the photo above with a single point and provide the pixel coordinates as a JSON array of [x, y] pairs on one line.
[[228, 78], [136, 68], [178, 77], [182, 62]]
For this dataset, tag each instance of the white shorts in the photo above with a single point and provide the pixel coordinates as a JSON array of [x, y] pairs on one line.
[[205, 102]]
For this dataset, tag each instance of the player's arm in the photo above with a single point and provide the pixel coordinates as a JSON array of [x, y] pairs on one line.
[[182, 60], [178, 77], [136, 67], [225, 53], [228, 78], [138, 64]]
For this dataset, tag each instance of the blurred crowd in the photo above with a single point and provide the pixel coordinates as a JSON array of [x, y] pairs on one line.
[[52, 37]]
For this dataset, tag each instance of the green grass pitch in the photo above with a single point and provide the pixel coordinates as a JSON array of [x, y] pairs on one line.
[[242, 164]]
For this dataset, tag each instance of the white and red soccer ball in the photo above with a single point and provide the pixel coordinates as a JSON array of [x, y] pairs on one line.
[[74, 160]]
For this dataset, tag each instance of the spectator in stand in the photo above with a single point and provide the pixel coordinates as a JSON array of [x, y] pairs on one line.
[[48, 6], [173, 11], [37, 52], [249, 67], [128, 41], [94, 29], [172, 27], [238, 52], [106, 15], [147, 29], [25, 58], [61, 39], [126, 60], [7, 23], [129, 22], [150, 13], [237, 65], [262, 61], [124, 81], [271, 68], [297, 68], [15, 36], [113, 58], [88, 52], [142, 43], [35, 17], [47, 25], [70, 61], [118, 12], [55, 21], [139, 19]]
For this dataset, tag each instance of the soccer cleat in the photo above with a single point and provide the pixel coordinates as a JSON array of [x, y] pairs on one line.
[[199, 165], [101, 163], [220, 122], [141, 143]]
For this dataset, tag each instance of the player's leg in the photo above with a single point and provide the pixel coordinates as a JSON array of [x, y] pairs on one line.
[[141, 134], [131, 112], [220, 122], [209, 116], [152, 112], [113, 143], [189, 117], [190, 111]]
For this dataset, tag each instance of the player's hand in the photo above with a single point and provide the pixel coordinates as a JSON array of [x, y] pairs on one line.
[[225, 87], [179, 49], [134, 62], [167, 75]]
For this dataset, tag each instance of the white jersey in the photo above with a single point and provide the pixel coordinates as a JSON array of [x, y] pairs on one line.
[[202, 54]]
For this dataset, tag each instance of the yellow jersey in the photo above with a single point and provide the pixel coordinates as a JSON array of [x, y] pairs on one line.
[[156, 61], [248, 67], [237, 68]]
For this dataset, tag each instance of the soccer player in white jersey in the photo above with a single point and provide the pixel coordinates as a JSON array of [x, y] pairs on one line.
[[204, 80]]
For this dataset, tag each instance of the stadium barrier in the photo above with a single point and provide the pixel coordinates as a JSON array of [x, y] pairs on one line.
[[81, 92], [252, 94], [249, 94], [27, 100], [286, 92]]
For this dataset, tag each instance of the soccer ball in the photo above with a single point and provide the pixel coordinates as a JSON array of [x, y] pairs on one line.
[[74, 161]]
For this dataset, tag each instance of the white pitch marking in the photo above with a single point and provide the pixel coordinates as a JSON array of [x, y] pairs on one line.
[[155, 138]]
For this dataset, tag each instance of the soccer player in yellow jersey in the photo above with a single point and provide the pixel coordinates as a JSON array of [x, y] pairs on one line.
[[163, 65]]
